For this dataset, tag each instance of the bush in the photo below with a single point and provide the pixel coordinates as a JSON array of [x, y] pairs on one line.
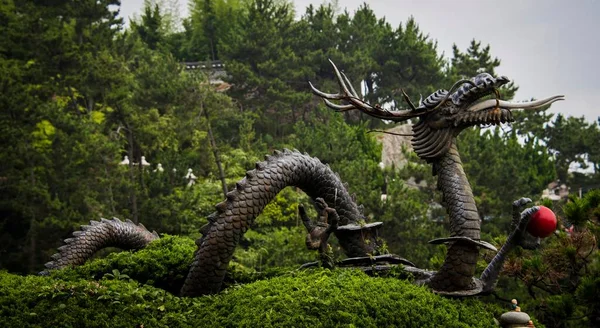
[[164, 263], [316, 298]]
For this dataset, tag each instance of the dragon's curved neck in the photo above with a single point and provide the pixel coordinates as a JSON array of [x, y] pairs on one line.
[[457, 195], [458, 269]]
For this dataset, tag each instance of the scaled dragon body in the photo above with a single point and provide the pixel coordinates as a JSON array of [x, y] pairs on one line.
[[440, 118]]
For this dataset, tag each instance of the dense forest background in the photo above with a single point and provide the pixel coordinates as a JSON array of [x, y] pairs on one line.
[[79, 91]]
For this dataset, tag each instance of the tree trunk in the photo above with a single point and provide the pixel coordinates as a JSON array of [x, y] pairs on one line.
[[32, 230], [132, 195], [213, 145]]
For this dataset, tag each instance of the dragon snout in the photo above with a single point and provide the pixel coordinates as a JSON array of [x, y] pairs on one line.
[[495, 111]]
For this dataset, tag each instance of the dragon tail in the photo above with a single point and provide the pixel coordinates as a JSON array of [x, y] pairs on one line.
[[97, 235]]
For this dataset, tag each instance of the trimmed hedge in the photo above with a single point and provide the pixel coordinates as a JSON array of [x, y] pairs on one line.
[[164, 263], [319, 298], [315, 298]]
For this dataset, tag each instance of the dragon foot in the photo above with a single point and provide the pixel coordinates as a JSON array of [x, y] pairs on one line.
[[464, 240], [387, 260], [374, 260]]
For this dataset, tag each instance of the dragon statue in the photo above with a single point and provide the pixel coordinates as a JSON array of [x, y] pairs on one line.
[[440, 118]]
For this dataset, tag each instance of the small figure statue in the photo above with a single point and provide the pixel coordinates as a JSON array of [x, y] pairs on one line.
[[143, 161], [514, 304], [530, 324], [318, 234], [514, 317], [159, 168], [191, 178], [125, 161]]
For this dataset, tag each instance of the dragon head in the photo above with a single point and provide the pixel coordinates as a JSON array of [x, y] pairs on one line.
[[442, 115]]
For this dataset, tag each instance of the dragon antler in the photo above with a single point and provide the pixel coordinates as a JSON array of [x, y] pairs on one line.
[[349, 95]]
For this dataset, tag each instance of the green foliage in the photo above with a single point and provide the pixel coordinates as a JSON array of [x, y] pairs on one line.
[[348, 149], [274, 248], [282, 209], [573, 140], [79, 93], [491, 158], [475, 60], [561, 277], [407, 57], [164, 263], [150, 27], [409, 223], [319, 298]]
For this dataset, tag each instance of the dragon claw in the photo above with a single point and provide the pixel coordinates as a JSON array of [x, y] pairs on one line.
[[525, 239], [516, 211], [525, 216], [521, 202]]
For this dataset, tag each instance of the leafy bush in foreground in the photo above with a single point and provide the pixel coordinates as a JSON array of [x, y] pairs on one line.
[[126, 289], [318, 298], [164, 263]]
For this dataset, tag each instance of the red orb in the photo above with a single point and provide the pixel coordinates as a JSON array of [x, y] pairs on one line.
[[542, 223]]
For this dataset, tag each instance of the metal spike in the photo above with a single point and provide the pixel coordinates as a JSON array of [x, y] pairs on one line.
[[339, 108], [323, 94], [407, 99], [231, 195], [221, 207], [239, 186]]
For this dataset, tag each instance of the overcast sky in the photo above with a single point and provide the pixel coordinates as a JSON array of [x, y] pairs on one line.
[[547, 47]]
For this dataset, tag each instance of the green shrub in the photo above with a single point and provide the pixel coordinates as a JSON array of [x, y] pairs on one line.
[[316, 298], [164, 263]]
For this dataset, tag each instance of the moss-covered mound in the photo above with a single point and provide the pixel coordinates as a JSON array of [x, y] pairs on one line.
[[164, 263], [318, 298], [103, 293]]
